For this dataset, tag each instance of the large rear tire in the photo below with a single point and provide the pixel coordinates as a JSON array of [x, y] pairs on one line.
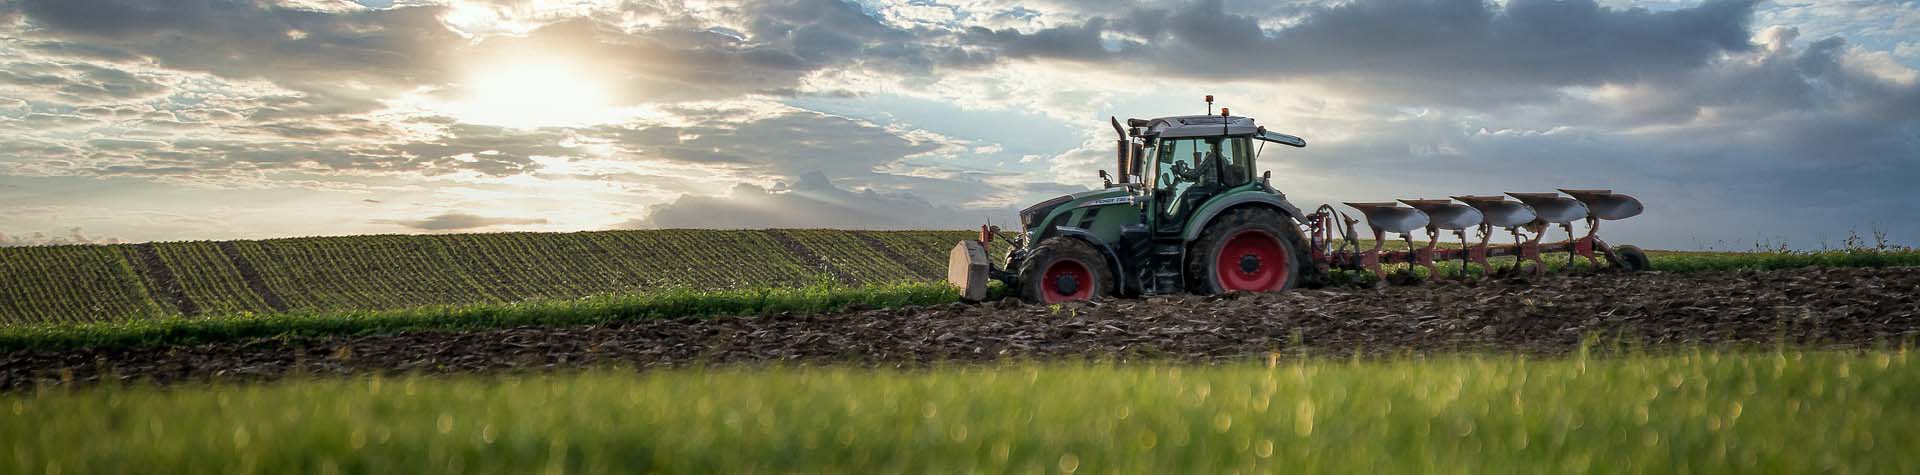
[[1248, 250], [1064, 269]]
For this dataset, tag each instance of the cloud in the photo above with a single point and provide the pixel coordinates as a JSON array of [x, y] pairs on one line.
[[779, 141], [1440, 51], [331, 54], [73, 235], [458, 221], [811, 201], [350, 59], [80, 83]]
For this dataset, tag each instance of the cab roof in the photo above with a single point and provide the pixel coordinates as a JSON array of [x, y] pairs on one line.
[[1200, 126]]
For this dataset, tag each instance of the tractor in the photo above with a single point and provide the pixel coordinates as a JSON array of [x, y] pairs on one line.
[[1189, 211]]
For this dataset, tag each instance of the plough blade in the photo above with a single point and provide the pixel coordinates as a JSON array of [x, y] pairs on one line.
[[1498, 211], [1553, 208], [1388, 217], [1607, 205], [1391, 217], [1444, 215], [1447, 215]]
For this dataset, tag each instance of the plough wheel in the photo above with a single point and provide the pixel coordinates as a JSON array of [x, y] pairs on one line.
[[1064, 269], [1253, 250], [1630, 259]]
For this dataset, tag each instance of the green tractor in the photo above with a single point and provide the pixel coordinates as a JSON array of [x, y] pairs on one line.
[[1188, 212]]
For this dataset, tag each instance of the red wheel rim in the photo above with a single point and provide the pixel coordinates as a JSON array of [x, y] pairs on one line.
[[1066, 280], [1251, 260]]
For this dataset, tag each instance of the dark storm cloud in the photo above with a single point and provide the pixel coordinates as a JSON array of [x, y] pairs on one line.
[[1787, 143], [456, 221], [1799, 103], [1076, 42], [1444, 50], [317, 52]]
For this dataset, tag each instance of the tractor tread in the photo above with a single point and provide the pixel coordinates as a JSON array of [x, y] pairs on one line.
[[1200, 256], [1061, 247]]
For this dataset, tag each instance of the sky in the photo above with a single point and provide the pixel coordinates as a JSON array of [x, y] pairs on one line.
[[1739, 123]]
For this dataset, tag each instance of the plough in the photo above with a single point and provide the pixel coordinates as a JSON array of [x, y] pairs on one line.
[[1526, 220]]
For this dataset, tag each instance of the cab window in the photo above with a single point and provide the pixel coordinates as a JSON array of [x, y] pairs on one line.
[[1181, 166], [1183, 163], [1236, 168]]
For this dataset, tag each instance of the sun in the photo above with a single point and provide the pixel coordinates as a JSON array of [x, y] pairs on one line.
[[532, 94]]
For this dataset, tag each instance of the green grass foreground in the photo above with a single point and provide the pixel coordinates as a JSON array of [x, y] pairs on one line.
[[694, 303], [1784, 412], [592, 310]]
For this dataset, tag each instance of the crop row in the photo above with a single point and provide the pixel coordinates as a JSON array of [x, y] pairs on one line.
[[128, 282]]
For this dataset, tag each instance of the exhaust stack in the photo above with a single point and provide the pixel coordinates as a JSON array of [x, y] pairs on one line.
[[1125, 153]]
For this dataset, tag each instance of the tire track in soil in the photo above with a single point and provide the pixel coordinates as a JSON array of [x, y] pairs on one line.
[[160, 277], [251, 275], [881, 247], [1648, 313], [813, 260]]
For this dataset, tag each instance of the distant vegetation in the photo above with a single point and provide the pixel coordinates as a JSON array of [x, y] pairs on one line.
[[95, 283], [1769, 412], [583, 311]]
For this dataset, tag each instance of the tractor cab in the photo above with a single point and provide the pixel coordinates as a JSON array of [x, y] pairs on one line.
[[1185, 161]]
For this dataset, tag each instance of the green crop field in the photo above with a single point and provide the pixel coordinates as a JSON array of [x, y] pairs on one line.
[[354, 273], [1781, 412]]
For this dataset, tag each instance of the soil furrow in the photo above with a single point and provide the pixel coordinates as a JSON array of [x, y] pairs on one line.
[[160, 278], [251, 275], [1808, 308], [881, 247], [807, 255]]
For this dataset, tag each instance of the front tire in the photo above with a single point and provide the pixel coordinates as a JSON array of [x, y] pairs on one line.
[[1064, 269], [1247, 250]]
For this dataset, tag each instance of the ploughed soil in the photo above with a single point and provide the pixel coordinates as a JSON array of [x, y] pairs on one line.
[[1804, 308]]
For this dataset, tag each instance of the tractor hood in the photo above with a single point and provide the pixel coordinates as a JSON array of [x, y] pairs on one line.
[[1036, 215]]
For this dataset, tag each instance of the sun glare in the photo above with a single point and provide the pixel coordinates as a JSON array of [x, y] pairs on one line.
[[533, 94]]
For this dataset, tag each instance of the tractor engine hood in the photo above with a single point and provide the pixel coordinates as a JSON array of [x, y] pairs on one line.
[[1031, 217]]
